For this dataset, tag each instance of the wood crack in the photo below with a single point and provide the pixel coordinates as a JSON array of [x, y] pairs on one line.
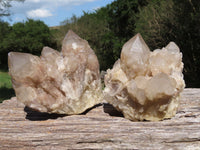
[[184, 140], [99, 141]]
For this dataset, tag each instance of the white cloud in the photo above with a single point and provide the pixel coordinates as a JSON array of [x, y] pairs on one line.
[[39, 13], [56, 3], [35, 1], [44, 8]]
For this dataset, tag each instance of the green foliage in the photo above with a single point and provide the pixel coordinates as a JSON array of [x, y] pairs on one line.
[[122, 16], [28, 37], [5, 79], [6, 90], [174, 20], [92, 27], [155, 23], [4, 31], [106, 29], [187, 33]]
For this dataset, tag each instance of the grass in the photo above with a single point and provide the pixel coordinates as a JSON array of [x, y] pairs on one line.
[[6, 90]]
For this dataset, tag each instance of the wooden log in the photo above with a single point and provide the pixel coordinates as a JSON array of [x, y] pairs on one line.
[[99, 128]]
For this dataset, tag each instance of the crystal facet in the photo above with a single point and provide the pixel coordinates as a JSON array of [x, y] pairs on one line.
[[66, 82], [145, 85]]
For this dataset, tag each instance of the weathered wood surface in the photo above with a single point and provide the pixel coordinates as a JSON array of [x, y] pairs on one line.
[[99, 128]]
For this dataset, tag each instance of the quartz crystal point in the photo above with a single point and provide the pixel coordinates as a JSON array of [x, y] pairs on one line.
[[145, 85], [66, 82]]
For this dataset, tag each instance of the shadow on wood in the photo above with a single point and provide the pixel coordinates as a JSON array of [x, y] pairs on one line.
[[89, 109], [39, 116], [109, 109], [34, 115]]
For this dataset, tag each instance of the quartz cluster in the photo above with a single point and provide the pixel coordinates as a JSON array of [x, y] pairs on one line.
[[145, 85], [66, 82]]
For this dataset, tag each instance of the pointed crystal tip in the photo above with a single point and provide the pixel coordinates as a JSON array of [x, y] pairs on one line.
[[136, 44], [172, 47], [71, 35], [72, 43], [134, 56]]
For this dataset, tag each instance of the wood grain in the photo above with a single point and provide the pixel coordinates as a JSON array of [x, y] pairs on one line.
[[99, 128]]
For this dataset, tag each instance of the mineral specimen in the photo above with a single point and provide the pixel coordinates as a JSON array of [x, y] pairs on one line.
[[66, 82], [145, 85]]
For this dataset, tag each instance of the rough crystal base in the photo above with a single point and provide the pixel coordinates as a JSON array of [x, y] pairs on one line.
[[145, 85], [66, 82]]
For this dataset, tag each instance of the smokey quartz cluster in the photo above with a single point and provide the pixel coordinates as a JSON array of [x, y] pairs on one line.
[[66, 82], [145, 85]]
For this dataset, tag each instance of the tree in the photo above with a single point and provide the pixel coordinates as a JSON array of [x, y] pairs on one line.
[[5, 5], [187, 35], [122, 16], [5, 29], [174, 20], [106, 29], [155, 22], [28, 37], [92, 27]]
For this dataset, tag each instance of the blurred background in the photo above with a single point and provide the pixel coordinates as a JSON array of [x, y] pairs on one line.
[[27, 26]]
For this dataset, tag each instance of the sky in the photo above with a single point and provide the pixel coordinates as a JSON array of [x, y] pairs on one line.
[[52, 12]]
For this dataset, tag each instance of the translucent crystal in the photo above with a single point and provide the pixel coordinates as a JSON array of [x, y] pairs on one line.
[[134, 57], [66, 82], [145, 85]]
